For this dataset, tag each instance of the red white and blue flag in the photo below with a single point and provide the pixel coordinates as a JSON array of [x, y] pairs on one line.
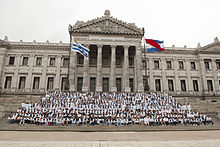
[[154, 45]]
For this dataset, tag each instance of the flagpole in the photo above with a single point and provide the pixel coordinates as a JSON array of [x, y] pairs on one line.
[[67, 87], [146, 86]]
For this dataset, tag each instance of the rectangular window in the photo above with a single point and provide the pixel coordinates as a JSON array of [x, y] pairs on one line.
[[195, 86], [52, 61], [210, 86], [50, 83], [105, 84], [118, 61], [65, 62], [63, 84], [8, 82], [105, 61], [119, 55], [206, 62], [22, 83], [170, 85], [181, 65], [169, 66], [36, 83], [11, 60], [157, 85], [93, 61], [118, 84], [79, 84], [92, 84], [183, 85], [39, 61], [193, 65], [25, 61], [106, 55], [218, 64], [131, 84], [80, 59], [131, 61], [156, 65]]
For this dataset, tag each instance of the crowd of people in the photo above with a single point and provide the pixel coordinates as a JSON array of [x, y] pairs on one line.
[[64, 108]]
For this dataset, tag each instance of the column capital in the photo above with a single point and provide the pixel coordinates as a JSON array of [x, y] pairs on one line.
[[113, 46], [126, 46], [99, 45]]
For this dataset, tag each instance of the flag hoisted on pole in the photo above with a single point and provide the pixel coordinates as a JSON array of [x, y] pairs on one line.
[[154, 45], [76, 46]]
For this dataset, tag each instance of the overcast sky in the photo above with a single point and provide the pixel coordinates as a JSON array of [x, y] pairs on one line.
[[178, 22]]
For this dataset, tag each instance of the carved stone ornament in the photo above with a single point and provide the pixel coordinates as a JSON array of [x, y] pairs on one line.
[[106, 25]]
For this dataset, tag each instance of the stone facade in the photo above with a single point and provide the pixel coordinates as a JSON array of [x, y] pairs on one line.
[[116, 63]]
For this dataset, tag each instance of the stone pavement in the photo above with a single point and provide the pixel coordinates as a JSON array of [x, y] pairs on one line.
[[110, 139]]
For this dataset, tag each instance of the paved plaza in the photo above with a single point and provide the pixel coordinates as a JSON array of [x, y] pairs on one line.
[[110, 139]]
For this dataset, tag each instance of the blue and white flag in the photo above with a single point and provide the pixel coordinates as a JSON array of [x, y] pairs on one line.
[[154, 45], [76, 46]]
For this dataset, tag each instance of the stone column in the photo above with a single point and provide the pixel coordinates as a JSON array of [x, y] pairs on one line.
[[85, 86], [44, 73], [151, 78], [177, 80], [203, 77], [72, 71], [112, 79], [15, 77], [189, 80], [164, 80], [126, 71], [57, 85], [139, 68], [29, 76], [2, 64], [215, 73], [99, 70]]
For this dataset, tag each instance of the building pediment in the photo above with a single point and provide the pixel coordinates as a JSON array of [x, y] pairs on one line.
[[106, 25], [213, 47]]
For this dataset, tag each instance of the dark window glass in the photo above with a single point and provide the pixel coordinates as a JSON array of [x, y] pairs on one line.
[[50, 83], [210, 86], [92, 84], [181, 65], [169, 66], [39, 61], [64, 82], [118, 84], [193, 65], [36, 82], [131, 84], [65, 62], [170, 85], [183, 85], [25, 61], [131, 61], [218, 64], [8, 82], [195, 86], [22, 83], [105, 61], [52, 61], [79, 84], [11, 60], [80, 59], [157, 85], [156, 65], [206, 62], [105, 84]]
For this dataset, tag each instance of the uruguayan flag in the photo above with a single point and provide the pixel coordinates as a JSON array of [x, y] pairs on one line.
[[154, 45], [76, 46]]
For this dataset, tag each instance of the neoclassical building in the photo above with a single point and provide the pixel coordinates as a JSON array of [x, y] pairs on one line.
[[117, 62]]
